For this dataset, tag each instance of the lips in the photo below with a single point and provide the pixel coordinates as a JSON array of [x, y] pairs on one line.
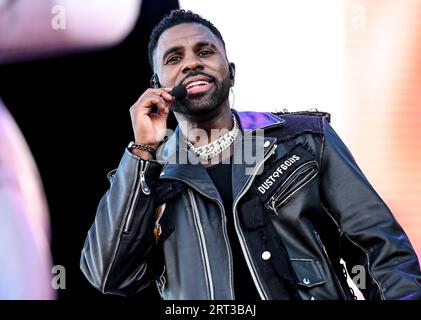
[[197, 84]]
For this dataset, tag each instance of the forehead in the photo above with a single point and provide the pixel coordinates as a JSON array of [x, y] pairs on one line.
[[186, 35]]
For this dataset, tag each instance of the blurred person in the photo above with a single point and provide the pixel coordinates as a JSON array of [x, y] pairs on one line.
[[31, 30], [39, 29], [25, 260]]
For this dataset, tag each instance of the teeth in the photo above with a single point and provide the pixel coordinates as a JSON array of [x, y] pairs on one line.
[[196, 84]]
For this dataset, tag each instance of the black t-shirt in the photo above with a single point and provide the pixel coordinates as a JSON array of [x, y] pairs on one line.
[[244, 286]]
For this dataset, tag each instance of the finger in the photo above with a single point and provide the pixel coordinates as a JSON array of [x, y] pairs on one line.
[[158, 101], [159, 91], [163, 92], [167, 97]]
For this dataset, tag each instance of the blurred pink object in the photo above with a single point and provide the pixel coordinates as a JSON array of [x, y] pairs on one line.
[[25, 260], [39, 28], [382, 99]]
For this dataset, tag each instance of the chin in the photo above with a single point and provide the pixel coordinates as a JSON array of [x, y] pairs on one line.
[[204, 103], [196, 106], [200, 109]]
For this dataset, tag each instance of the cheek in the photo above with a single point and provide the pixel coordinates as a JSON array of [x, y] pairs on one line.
[[222, 69], [167, 75], [168, 79]]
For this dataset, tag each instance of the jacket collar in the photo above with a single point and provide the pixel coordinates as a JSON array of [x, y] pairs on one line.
[[181, 163], [250, 120]]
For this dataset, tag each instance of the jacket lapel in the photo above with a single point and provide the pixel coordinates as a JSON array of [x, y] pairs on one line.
[[182, 164]]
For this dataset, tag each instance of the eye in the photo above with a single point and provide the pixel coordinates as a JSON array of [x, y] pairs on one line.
[[173, 59], [205, 53]]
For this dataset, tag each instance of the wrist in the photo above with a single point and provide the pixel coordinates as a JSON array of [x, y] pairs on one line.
[[152, 145], [145, 155], [142, 150]]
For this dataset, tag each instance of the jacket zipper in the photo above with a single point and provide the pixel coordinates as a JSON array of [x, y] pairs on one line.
[[133, 195], [140, 183], [252, 268], [281, 196], [202, 244], [360, 247], [143, 167], [321, 245], [382, 297], [225, 232]]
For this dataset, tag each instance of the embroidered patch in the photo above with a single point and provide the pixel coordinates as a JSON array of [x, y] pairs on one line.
[[273, 177]]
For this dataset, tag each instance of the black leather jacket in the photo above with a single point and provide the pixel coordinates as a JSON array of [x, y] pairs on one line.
[[303, 194]]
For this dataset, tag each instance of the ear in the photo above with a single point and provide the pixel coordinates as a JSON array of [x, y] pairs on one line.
[[231, 67]]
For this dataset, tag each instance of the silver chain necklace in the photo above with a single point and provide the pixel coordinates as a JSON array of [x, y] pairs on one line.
[[208, 151]]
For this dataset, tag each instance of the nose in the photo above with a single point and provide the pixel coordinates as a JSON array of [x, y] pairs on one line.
[[191, 63]]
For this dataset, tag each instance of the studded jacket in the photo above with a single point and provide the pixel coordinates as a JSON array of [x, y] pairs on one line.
[[303, 195]]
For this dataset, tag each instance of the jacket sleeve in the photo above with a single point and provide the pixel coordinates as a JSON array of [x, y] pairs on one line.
[[370, 235], [116, 257]]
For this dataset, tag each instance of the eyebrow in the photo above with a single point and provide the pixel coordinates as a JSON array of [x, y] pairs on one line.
[[171, 50], [200, 44], [205, 44]]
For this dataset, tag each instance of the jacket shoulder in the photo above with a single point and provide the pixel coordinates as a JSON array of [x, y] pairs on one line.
[[299, 122]]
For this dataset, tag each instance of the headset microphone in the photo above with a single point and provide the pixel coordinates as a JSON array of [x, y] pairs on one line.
[[179, 92]]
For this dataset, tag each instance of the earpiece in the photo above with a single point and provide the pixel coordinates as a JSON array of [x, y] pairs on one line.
[[232, 76], [155, 81], [231, 67]]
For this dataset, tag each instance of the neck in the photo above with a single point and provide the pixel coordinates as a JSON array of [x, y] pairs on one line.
[[214, 124]]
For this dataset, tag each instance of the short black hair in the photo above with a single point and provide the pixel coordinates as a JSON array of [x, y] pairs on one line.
[[174, 18]]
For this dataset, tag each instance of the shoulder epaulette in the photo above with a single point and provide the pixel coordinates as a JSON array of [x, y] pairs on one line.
[[298, 122], [311, 112]]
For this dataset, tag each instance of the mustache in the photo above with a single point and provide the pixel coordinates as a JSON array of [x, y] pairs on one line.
[[196, 73]]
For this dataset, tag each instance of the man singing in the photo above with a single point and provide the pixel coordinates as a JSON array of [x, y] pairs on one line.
[[237, 205]]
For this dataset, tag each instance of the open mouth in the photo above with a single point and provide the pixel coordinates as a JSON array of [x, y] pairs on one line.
[[198, 84]]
